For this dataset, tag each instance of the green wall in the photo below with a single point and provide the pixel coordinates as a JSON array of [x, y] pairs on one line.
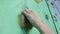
[[10, 9]]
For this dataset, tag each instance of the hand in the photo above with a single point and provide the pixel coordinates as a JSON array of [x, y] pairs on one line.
[[35, 20], [32, 17]]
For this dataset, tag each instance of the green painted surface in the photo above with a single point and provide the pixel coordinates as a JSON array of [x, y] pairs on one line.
[[10, 9], [57, 23]]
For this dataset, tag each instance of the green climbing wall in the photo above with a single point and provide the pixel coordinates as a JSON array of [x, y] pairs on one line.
[[10, 9]]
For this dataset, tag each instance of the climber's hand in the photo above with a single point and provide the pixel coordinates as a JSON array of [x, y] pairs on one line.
[[32, 17], [37, 22]]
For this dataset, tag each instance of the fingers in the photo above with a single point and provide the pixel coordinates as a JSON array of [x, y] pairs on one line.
[[27, 12], [30, 12]]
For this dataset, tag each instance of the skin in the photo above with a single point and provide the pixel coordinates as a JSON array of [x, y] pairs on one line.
[[36, 21]]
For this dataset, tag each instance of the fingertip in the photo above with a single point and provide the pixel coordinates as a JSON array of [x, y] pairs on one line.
[[28, 11]]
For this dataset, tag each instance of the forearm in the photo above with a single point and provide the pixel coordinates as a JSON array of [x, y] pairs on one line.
[[43, 28]]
